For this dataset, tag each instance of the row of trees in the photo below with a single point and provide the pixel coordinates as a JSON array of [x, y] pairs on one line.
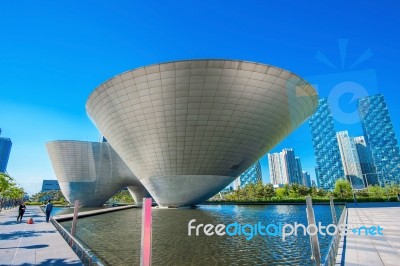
[[123, 197], [55, 195], [342, 190], [10, 193]]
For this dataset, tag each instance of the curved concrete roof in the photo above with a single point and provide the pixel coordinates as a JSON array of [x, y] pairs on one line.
[[174, 123], [91, 172]]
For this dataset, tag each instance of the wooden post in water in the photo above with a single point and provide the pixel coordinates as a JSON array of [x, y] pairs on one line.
[[334, 218], [145, 255], [75, 219], [313, 230]]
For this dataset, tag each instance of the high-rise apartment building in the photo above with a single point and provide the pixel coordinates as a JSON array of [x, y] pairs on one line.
[[329, 166], [275, 169], [370, 175], [380, 138], [5, 150], [350, 160], [284, 167]]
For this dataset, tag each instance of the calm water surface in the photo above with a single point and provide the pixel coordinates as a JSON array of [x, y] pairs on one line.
[[115, 237]]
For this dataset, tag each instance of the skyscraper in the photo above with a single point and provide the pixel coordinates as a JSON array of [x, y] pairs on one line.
[[299, 171], [284, 167], [326, 150], [380, 138], [5, 149], [306, 178], [275, 169], [289, 165], [350, 161], [366, 162], [251, 175]]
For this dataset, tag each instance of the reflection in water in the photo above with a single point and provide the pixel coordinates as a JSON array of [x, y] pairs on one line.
[[115, 237]]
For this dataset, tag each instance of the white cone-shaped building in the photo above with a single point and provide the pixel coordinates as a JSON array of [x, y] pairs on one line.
[[91, 172], [186, 129]]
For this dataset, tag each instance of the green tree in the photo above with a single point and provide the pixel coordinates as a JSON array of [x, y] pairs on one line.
[[122, 196], [259, 190], [55, 195], [303, 191], [294, 190], [376, 192], [10, 193], [342, 188], [363, 193], [269, 191], [281, 192]]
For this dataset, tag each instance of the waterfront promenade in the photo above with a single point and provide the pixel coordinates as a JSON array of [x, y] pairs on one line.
[[32, 244], [372, 250]]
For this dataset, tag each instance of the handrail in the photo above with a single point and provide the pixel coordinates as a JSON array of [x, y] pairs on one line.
[[87, 257], [330, 258]]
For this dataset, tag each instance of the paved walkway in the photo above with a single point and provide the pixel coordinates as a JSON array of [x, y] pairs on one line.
[[372, 250], [32, 244]]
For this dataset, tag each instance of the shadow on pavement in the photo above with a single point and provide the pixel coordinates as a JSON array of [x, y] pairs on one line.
[[18, 234], [29, 247], [52, 262]]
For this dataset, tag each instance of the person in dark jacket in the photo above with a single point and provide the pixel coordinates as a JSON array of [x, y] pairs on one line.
[[21, 211], [49, 208]]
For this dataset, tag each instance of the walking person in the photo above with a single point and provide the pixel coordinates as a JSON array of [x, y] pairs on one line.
[[49, 208], [21, 211]]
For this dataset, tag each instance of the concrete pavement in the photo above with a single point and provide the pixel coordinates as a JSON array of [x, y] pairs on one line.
[[368, 249], [32, 244]]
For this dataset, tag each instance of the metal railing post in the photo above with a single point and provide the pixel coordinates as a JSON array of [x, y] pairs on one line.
[[334, 218], [75, 219], [313, 231], [145, 256]]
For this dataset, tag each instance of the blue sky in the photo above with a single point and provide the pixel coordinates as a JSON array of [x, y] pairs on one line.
[[52, 55]]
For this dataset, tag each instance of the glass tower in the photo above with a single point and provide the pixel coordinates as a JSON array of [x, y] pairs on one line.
[[366, 161], [306, 179], [350, 160], [380, 137], [251, 175], [5, 149], [299, 171], [326, 150], [289, 165]]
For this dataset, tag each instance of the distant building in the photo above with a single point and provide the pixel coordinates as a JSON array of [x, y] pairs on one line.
[[299, 171], [306, 178], [380, 138], [326, 150], [313, 184], [370, 175], [350, 160], [284, 167], [49, 185], [250, 176], [5, 150], [275, 169]]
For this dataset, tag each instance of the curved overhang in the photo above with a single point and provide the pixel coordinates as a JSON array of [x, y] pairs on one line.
[[186, 129], [91, 172]]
